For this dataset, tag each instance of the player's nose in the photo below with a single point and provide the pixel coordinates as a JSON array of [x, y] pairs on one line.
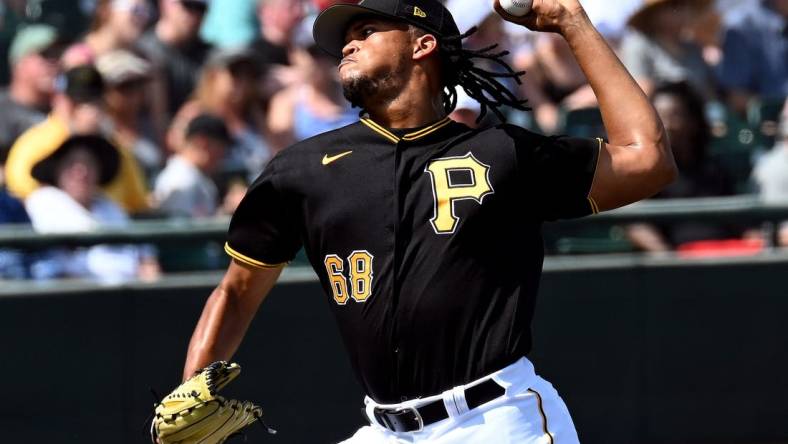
[[350, 47]]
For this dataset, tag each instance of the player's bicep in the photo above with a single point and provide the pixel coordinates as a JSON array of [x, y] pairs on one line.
[[249, 285], [624, 175]]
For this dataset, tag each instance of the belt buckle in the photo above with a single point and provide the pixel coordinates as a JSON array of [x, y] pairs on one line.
[[416, 414], [391, 419]]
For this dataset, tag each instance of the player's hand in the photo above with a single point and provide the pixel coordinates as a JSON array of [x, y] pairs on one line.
[[547, 15]]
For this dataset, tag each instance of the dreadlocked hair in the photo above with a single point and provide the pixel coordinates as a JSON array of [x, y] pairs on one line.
[[480, 84]]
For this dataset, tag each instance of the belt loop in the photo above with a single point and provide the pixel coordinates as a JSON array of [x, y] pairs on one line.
[[448, 402], [459, 400]]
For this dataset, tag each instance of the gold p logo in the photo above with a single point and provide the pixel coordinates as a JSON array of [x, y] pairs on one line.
[[418, 12], [446, 192]]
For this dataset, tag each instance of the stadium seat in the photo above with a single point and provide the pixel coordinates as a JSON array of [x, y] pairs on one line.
[[763, 115], [734, 144]]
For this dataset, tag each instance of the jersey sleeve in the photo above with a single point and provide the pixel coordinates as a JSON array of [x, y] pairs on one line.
[[264, 231], [558, 173]]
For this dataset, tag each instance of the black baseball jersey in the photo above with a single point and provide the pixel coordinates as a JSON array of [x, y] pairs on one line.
[[427, 241]]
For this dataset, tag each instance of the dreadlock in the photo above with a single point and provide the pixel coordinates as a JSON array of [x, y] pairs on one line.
[[480, 84]]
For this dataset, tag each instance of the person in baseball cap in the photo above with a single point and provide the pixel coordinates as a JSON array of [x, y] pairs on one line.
[[81, 84], [456, 64], [431, 15], [35, 39], [33, 62], [331, 25]]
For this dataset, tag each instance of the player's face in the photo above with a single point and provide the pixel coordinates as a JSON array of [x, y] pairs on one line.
[[374, 59]]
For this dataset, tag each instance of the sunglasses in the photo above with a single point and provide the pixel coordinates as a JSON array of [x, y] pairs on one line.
[[195, 7], [52, 53]]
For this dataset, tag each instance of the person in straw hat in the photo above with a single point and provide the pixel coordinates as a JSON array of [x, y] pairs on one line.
[[660, 49], [70, 199]]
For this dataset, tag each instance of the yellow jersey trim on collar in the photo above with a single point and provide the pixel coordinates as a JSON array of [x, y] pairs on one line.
[[249, 261], [380, 130], [407, 137], [428, 130]]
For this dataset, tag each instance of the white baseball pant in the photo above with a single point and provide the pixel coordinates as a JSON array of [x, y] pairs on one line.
[[530, 412]]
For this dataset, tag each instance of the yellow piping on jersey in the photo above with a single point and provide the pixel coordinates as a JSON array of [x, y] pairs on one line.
[[594, 205], [379, 129], [408, 137], [541, 412], [247, 260], [428, 130]]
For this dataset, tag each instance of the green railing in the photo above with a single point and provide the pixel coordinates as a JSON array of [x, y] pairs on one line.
[[187, 232]]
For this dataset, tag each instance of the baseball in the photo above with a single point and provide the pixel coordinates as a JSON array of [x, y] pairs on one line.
[[517, 8]]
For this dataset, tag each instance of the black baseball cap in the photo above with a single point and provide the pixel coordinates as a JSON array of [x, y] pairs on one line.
[[332, 24], [81, 84], [209, 125]]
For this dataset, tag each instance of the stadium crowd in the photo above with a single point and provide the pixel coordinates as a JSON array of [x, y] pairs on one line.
[[112, 110]]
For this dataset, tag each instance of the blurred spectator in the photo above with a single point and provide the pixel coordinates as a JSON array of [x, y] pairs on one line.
[[229, 89], [33, 60], [11, 14], [13, 264], [611, 21], [771, 172], [78, 108], [117, 24], [278, 20], [177, 51], [70, 200], [230, 23], [682, 112], [310, 108], [707, 32], [184, 188], [126, 76], [553, 80], [755, 54], [275, 49], [660, 49]]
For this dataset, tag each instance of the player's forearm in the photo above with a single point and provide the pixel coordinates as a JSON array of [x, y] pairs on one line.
[[630, 119], [218, 333], [227, 315]]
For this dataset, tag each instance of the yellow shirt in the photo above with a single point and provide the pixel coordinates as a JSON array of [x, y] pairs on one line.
[[37, 143]]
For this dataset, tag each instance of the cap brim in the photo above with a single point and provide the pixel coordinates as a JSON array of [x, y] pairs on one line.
[[331, 25]]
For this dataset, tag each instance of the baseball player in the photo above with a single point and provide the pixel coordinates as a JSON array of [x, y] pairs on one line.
[[426, 234]]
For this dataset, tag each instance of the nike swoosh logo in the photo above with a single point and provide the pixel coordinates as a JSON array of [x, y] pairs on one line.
[[328, 159]]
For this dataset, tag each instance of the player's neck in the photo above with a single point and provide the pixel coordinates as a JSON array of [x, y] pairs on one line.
[[411, 108]]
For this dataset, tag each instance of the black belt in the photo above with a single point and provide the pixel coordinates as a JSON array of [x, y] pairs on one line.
[[413, 419]]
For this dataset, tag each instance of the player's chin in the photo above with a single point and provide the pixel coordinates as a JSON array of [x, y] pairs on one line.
[[348, 71]]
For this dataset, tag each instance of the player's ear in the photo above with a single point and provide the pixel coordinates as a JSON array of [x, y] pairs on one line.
[[424, 45]]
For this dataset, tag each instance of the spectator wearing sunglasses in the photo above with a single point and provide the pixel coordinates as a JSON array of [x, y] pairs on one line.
[[33, 59], [177, 52], [127, 77], [117, 24]]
